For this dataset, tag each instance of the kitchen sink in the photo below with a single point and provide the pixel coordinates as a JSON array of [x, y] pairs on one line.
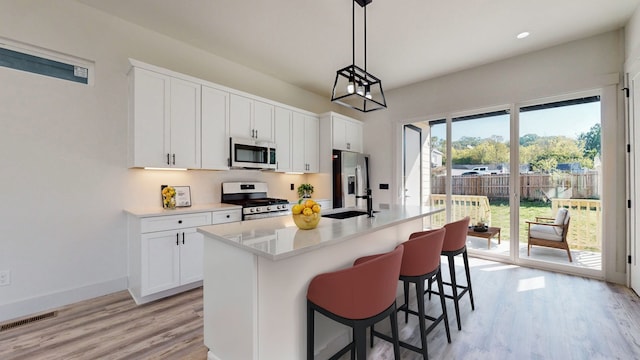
[[345, 214]]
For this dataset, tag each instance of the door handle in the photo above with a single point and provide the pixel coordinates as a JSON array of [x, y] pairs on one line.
[[168, 161], [174, 159], [183, 238], [177, 239]]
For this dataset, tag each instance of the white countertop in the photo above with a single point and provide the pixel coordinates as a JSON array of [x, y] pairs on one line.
[[278, 237], [159, 211]]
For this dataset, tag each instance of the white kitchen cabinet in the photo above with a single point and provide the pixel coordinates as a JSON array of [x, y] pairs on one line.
[[215, 127], [338, 132], [283, 139], [305, 142], [164, 124], [250, 118], [346, 133], [297, 141], [165, 252]]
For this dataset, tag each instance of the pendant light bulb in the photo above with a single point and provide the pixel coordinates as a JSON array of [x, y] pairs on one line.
[[367, 91], [351, 87], [360, 90]]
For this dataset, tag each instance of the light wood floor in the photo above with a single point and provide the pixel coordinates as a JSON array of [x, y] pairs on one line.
[[520, 313]]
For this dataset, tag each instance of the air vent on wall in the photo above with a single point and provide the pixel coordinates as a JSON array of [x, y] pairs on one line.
[[29, 320]]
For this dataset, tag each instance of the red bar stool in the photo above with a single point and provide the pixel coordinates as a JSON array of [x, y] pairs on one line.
[[358, 297], [455, 243], [421, 262]]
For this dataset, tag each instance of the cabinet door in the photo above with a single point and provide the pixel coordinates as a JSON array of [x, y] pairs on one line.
[[283, 139], [160, 260], [215, 127], [263, 121], [353, 136], [339, 133], [240, 115], [311, 140], [149, 126], [185, 124], [191, 256], [298, 144]]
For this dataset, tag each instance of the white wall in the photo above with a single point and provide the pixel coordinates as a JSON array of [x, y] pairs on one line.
[[593, 63], [63, 150]]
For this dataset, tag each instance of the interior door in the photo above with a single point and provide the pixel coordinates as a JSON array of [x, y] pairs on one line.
[[412, 165], [634, 167]]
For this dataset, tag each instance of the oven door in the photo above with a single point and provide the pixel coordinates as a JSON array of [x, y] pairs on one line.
[[252, 154]]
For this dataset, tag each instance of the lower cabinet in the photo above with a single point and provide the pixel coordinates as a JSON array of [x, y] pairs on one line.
[[170, 259], [165, 252]]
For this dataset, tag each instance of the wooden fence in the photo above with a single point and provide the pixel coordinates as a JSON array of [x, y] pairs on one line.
[[532, 186]]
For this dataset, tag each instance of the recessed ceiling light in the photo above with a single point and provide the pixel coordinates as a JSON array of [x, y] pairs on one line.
[[522, 35]]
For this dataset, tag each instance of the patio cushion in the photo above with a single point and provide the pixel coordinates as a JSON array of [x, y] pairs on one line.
[[546, 232]]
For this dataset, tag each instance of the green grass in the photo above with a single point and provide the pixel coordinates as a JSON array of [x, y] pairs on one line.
[[529, 210]]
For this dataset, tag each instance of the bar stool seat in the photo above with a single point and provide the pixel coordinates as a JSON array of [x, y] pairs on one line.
[[358, 297], [455, 241]]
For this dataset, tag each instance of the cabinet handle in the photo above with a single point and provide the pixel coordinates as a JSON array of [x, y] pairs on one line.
[[256, 134], [168, 162], [253, 133], [177, 239], [183, 238], [349, 146], [174, 159], [228, 216], [179, 221]]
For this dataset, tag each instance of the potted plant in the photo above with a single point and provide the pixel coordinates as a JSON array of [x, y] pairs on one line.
[[305, 190]]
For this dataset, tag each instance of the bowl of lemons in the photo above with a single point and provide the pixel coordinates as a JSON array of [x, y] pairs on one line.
[[306, 214]]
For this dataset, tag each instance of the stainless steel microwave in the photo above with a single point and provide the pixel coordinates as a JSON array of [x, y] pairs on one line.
[[252, 154]]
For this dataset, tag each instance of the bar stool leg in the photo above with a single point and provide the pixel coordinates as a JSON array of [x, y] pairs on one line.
[[444, 305], [423, 328], [360, 339], [406, 301], [454, 288], [394, 333], [310, 332], [466, 269]]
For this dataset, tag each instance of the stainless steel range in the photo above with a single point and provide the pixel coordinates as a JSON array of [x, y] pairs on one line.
[[252, 196]]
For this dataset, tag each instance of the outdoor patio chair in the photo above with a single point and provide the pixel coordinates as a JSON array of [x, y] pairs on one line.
[[550, 232]]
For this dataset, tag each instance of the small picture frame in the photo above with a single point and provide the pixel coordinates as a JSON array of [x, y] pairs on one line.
[[183, 196]]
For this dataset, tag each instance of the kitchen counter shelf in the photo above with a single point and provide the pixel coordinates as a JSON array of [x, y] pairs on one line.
[[159, 211]]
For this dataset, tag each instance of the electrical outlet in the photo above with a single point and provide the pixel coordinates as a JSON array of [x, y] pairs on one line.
[[5, 277]]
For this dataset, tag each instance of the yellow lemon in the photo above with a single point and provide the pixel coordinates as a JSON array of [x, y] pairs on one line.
[[316, 208], [296, 209], [309, 203], [307, 211]]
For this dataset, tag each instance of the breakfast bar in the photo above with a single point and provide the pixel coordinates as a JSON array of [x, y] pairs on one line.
[[256, 275]]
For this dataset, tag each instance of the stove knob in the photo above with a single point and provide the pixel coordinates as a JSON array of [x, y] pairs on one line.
[[252, 209], [258, 209], [268, 208]]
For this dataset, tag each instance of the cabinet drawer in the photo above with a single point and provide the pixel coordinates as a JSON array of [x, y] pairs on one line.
[[221, 217], [171, 222]]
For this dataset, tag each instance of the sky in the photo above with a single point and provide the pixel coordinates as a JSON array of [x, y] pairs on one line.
[[569, 121]]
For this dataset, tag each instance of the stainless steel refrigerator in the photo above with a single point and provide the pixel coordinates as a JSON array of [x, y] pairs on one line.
[[350, 179]]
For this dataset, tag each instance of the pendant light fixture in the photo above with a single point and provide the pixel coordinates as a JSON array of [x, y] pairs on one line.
[[355, 87]]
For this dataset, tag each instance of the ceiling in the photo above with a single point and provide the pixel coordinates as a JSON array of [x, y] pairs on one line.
[[304, 42]]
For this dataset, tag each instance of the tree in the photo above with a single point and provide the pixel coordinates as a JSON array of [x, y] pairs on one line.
[[591, 140]]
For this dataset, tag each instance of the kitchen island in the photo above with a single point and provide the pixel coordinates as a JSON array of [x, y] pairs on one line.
[[256, 275]]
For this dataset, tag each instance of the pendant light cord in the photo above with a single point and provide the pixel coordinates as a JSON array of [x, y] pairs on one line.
[[353, 32]]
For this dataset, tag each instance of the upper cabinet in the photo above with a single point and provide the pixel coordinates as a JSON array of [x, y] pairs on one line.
[[338, 132], [164, 127], [297, 140], [251, 118], [215, 127], [305, 141], [346, 133]]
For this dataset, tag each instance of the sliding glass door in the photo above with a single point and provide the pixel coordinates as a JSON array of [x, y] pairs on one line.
[[560, 168]]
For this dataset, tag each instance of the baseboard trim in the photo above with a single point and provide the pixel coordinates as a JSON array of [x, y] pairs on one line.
[[51, 301]]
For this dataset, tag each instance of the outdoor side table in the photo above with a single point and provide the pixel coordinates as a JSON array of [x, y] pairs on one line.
[[490, 233]]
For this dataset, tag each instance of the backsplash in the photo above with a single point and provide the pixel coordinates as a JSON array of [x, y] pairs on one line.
[[143, 189]]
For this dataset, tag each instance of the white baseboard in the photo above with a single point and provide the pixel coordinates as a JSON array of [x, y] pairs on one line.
[[47, 302]]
